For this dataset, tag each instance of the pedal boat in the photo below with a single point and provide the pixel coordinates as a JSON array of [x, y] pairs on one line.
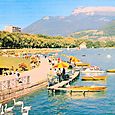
[[111, 70], [87, 88], [93, 78]]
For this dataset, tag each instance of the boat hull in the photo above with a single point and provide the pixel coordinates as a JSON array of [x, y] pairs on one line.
[[93, 78], [82, 64], [92, 71], [111, 70], [87, 88]]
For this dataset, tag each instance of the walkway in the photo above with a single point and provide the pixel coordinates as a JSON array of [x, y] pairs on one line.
[[10, 89], [38, 74]]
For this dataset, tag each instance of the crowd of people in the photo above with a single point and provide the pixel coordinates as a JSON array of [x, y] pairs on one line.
[[12, 72]]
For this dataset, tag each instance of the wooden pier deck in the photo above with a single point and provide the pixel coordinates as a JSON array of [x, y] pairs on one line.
[[61, 84]]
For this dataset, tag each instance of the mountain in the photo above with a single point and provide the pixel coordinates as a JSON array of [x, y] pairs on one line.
[[87, 34], [107, 32], [109, 28], [82, 18]]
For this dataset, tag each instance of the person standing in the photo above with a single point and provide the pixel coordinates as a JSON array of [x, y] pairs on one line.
[[17, 75], [63, 73], [59, 74], [59, 60]]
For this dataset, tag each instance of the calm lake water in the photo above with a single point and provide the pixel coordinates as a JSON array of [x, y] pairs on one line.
[[99, 103]]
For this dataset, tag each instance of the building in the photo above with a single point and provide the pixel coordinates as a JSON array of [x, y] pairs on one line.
[[82, 45], [12, 29]]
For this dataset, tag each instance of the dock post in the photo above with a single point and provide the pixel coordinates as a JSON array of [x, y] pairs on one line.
[[52, 91], [71, 92], [48, 92], [84, 93]]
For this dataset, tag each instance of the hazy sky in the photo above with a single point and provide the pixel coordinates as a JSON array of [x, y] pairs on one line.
[[24, 12]]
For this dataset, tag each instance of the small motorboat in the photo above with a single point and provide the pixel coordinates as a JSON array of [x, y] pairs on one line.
[[87, 88], [92, 69], [111, 70], [93, 78]]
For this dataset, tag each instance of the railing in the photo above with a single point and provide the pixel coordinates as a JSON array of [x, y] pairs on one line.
[[11, 88]]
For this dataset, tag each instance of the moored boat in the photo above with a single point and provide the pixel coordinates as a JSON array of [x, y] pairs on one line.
[[87, 88], [80, 64], [92, 69], [93, 78], [111, 70]]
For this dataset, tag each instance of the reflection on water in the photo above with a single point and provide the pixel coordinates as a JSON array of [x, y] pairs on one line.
[[81, 95], [62, 96]]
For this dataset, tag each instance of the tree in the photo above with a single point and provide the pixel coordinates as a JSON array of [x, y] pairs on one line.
[[96, 44], [110, 43], [89, 44]]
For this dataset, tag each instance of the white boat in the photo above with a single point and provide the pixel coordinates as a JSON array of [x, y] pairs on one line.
[[92, 70]]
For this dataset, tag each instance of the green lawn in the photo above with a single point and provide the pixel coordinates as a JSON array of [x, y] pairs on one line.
[[8, 62]]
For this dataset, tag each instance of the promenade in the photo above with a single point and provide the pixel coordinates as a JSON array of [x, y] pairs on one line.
[[38, 74], [31, 81]]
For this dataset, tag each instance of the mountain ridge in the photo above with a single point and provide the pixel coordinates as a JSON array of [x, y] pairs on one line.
[[65, 25]]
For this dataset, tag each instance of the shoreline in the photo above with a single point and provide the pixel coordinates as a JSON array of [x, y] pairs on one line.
[[30, 50]]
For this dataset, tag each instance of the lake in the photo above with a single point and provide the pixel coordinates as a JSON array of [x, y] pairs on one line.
[[100, 103]]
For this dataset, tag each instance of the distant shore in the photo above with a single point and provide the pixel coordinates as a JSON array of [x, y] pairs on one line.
[[30, 50]]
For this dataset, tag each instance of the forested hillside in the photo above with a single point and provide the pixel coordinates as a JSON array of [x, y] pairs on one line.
[[23, 40]]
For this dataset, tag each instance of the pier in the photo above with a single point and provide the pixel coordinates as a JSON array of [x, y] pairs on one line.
[[63, 83], [62, 86]]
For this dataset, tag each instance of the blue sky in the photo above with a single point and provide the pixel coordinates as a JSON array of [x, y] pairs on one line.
[[24, 12]]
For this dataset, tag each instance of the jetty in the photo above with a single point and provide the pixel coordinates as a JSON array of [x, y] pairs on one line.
[[63, 83], [62, 86]]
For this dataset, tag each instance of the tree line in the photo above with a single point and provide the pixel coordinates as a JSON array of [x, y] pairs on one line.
[[23, 40]]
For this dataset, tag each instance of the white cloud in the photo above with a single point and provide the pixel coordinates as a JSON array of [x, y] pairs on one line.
[[46, 18], [92, 10]]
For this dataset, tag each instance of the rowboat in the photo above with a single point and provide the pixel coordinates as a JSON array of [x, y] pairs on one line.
[[111, 70], [87, 88], [93, 78]]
